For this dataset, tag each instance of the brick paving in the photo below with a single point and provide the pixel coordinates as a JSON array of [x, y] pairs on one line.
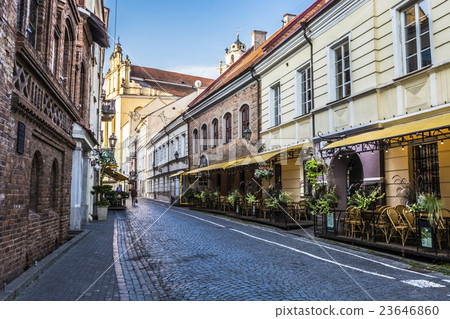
[[71, 275], [179, 254]]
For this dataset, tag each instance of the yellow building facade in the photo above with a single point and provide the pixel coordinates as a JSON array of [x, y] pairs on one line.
[[375, 65], [142, 95]]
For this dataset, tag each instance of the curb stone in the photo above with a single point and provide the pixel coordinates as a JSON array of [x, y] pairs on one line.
[[24, 280]]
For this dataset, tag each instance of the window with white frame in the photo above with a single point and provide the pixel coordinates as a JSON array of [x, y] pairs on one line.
[[304, 92], [275, 104], [341, 70], [416, 36], [183, 145]]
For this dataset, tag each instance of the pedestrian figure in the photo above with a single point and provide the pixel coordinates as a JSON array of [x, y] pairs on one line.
[[133, 194], [119, 188]]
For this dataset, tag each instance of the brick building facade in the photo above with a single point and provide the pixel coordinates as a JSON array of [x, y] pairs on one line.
[[219, 146], [45, 54]]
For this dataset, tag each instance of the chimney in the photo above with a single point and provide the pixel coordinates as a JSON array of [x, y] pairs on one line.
[[258, 38], [288, 18]]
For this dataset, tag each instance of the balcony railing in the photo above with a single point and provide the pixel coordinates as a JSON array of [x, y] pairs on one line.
[[108, 110]]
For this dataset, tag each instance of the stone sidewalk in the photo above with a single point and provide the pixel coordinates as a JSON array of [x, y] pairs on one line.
[[74, 275]]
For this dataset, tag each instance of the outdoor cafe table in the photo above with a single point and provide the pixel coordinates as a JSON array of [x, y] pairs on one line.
[[368, 220]]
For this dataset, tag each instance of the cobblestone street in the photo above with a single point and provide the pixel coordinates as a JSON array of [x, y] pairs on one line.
[[179, 254]]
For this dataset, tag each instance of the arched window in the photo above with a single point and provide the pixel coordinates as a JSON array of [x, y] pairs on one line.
[[82, 87], [205, 137], [54, 186], [67, 59], [195, 141], [227, 120], [33, 23], [215, 132], [35, 182], [245, 119]]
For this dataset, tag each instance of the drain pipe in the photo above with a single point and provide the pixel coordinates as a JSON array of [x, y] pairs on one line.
[[303, 24], [257, 78]]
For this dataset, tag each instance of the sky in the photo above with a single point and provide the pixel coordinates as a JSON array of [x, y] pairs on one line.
[[191, 36]]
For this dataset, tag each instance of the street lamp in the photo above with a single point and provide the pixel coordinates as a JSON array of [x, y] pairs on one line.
[[247, 134], [176, 155], [112, 141]]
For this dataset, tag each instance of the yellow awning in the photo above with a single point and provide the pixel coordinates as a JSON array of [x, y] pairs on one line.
[[175, 175], [261, 158], [400, 130], [116, 175], [208, 168]]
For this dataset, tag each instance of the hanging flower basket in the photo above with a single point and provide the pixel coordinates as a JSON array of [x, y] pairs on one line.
[[264, 172]]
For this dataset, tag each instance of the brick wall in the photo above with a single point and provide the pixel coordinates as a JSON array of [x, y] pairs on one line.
[[31, 94], [238, 147]]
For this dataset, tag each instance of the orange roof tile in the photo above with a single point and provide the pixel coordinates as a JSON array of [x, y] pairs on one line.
[[174, 83], [251, 57]]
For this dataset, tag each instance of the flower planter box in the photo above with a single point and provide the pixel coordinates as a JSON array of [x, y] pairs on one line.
[[102, 212]]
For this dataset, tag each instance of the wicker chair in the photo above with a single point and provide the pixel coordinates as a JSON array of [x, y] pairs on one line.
[[398, 225], [383, 223], [410, 220], [356, 225]]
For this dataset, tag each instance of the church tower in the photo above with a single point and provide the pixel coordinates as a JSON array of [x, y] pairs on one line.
[[236, 50]]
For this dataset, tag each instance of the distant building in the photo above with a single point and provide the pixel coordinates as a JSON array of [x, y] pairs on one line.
[[138, 93], [234, 53]]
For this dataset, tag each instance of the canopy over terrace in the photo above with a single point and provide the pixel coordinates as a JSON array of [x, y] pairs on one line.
[[413, 133], [249, 160], [117, 176]]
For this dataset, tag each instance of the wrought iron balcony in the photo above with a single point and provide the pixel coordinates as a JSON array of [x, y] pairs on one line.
[[108, 110]]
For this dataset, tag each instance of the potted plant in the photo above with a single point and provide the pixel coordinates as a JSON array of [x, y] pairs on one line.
[[233, 199], [430, 205], [364, 199], [102, 203], [251, 200], [315, 169], [324, 203], [264, 172], [284, 198]]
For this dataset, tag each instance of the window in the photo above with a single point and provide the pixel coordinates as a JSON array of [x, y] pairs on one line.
[[228, 136], [33, 23], [426, 168], [304, 93], [275, 98], [82, 84], [195, 141], [215, 132], [67, 58], [183, 145], [416, 33], [245, 119], [177, 147], [205, 137], [55, 53], [342, 72]]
